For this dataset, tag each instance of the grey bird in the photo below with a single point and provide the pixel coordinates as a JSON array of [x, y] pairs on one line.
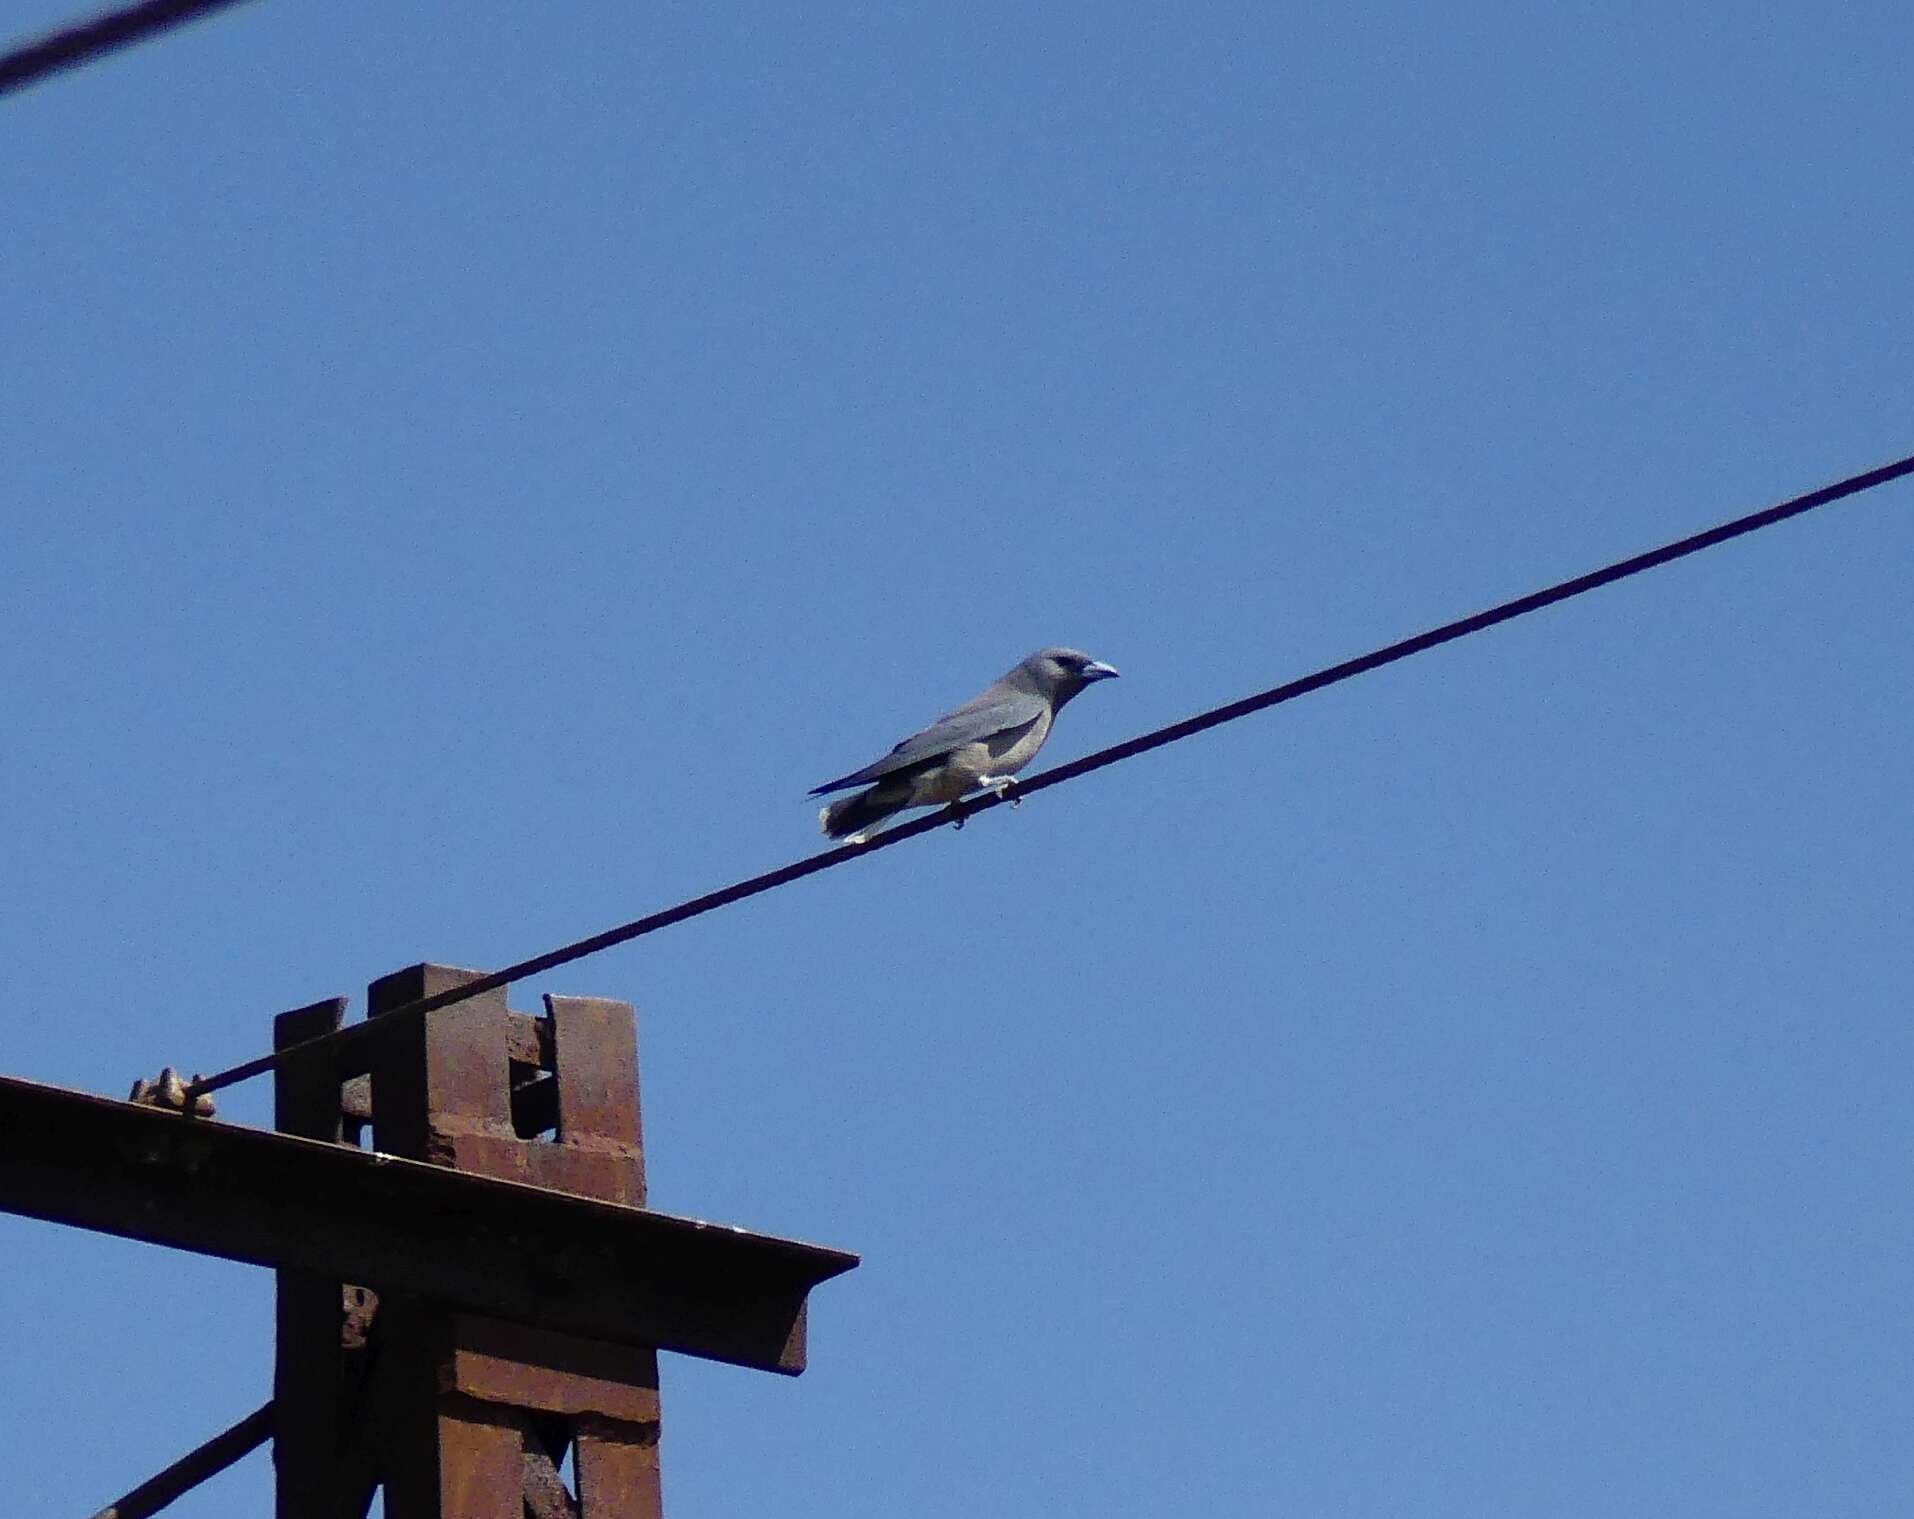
[[978, 746]]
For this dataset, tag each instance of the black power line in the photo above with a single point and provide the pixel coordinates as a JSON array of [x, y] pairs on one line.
[[193, 1468], [85, 40], [1448, 632]]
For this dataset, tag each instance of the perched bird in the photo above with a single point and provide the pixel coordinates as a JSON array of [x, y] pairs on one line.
[[979, 745]]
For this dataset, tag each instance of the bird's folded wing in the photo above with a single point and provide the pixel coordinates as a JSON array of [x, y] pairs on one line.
[[976, 720]]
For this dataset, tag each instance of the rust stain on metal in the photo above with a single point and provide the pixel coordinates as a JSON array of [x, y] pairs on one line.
[[460, 1307], [474, 1413]]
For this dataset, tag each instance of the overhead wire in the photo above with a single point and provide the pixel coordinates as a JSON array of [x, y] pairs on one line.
[[195, 1467], [70, 46], [960, 812]]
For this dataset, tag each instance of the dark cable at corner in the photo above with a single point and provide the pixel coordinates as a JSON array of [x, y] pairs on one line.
[[83, 41]]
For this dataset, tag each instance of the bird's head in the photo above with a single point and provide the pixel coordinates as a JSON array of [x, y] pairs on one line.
[[1059, 673]]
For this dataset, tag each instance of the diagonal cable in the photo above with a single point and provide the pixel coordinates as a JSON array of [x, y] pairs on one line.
[[193, 1468], [83, 41], [1331, 675]]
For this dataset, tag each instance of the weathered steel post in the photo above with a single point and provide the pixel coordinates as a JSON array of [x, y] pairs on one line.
[[523, 1289], [457, 1415]]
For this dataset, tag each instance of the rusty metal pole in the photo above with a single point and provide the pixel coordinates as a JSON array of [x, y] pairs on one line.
[[458, 1415], [320, 1321]]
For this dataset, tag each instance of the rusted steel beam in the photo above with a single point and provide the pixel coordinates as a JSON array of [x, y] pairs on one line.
[[456, 1092], [315, 1374], [350, 1046], [518, 1252]]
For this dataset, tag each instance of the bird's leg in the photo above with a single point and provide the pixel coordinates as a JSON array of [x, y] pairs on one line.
[[1003, 786], [957, 815]]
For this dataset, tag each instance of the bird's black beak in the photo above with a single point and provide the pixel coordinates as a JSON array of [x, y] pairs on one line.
[[1098, 670]]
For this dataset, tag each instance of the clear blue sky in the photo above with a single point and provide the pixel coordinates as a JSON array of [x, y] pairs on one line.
[[468, 474]]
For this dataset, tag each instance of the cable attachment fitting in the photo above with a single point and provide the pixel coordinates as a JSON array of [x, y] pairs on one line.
[[168, 1090]]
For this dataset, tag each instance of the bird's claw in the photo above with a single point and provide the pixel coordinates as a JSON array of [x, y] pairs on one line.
[[1003, 787]]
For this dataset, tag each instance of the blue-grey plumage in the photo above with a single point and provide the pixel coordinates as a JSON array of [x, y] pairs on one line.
[[979, 745]]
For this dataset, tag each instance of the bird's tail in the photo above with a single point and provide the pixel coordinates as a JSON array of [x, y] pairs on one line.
[[855, 814]]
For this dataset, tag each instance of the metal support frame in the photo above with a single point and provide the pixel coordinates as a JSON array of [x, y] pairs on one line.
[[608, 1272], [461, 1416], [464, 1304]]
